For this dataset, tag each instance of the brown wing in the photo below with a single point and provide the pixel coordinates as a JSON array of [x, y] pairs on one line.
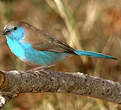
[[43, 41]]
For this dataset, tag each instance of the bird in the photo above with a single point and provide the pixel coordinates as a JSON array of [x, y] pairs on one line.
[[37, 47]]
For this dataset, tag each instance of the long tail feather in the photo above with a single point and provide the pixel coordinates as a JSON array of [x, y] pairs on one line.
[[93, 54]]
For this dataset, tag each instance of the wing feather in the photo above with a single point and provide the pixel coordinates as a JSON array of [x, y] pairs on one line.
[[43, 41]]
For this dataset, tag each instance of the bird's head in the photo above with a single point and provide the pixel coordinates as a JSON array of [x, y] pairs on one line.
[[14, 30]]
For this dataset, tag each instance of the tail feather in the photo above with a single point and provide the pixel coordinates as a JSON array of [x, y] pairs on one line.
[[93, 54]]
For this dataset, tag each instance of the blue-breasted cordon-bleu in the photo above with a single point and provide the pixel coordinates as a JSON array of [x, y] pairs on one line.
[[39, 48]]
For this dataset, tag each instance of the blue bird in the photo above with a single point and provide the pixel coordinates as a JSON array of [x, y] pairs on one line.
[[37, 47]]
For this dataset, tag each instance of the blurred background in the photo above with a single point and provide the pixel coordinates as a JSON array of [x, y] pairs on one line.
[[93, 25]]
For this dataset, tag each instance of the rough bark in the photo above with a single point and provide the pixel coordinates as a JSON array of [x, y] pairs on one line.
[[14, 82]]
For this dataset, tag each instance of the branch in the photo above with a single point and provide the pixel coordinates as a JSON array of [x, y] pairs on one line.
[[14, 82]]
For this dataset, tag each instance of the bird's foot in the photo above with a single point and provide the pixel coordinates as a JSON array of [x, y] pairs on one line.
[[39, 68]]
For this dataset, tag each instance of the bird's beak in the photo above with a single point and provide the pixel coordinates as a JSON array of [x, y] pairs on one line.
[[5, 32]]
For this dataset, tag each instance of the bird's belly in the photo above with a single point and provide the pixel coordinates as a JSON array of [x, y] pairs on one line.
[[43, 57], [26, 53]]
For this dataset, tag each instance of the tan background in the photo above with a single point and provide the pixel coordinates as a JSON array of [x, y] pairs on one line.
[[93, 25]]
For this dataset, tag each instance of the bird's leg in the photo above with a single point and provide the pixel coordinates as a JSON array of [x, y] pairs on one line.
[[39, 68]]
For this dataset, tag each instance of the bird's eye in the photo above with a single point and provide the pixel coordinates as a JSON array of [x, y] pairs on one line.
[[15, 28]]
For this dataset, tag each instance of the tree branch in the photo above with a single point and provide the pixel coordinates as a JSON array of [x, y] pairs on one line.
[[14, 82]]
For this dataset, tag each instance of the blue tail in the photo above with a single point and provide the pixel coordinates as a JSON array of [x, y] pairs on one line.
[[93, 54]]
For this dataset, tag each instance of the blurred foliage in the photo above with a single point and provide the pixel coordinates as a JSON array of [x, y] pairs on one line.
[[84, 24]]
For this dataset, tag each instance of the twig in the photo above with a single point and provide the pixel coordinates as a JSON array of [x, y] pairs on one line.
[[14, 82]]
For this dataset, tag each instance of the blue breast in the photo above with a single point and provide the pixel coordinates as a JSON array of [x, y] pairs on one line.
[[25, 52]]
